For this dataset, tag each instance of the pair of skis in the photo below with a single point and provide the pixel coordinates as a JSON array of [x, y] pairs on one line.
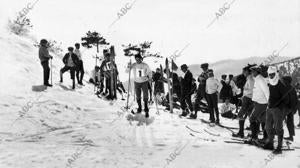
[[257, 144]]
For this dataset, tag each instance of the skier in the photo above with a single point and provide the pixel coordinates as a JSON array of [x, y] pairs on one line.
[[213, 87], [186, 87], [278, 102], [44, 58], [260, 99], [247, 104], [287, 80], [71, 62], [142, 76], [106, 67], [80, 69]]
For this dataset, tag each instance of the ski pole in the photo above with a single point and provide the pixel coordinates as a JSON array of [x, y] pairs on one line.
[[95, 76], [51, 71]]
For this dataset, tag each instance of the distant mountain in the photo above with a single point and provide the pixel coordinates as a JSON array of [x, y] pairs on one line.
[[232, 66]]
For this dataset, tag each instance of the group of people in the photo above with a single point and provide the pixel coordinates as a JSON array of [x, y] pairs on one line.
[[105, 76], [267, 102], [265, 97], [72, 61]]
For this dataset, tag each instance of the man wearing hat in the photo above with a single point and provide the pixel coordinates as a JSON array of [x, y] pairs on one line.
[[44, 58], [186, 87], [71, 61], [277, 105], [80, 68], [213, 87], [142, 75], [260, 99]]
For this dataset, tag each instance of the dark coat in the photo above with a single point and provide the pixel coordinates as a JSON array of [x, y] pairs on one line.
[[279, 96], [44, 54], [74, 58], [226, 91], [186, 83]]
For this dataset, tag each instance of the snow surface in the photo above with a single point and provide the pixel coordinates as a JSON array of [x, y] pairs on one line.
[[59, 127]]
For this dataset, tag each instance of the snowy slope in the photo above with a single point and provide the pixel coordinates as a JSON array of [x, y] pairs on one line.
[[59, 127]]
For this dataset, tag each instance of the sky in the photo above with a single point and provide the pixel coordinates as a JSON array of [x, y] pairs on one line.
[[245, 29]]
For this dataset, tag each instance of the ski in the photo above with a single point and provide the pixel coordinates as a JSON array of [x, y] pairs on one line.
[[285, 148], [211, 133], [192, 129], [220, 125], [204, 139]]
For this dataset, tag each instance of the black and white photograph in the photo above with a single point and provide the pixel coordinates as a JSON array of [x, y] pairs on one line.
[[149, 84]]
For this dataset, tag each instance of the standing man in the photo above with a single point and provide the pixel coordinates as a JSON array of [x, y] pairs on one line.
[[247, 103], [71, 61], [44, 57], [235, 91], [260, 100], [213, 87], [292, 107], [186, 87], [108, 66], [201, 93], [80, 69], [142, 76], [278, 103]]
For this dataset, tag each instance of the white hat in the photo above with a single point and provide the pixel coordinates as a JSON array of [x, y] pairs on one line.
[[272, 69]]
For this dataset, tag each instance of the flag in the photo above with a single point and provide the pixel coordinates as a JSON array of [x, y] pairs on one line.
[[174, 66]]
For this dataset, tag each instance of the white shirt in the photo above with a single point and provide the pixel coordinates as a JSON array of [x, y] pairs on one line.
[[78, 53], [261, 91], [248, 88], [70, 61], [234, 88], [227, 107], [213, 85], [141, 72]]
